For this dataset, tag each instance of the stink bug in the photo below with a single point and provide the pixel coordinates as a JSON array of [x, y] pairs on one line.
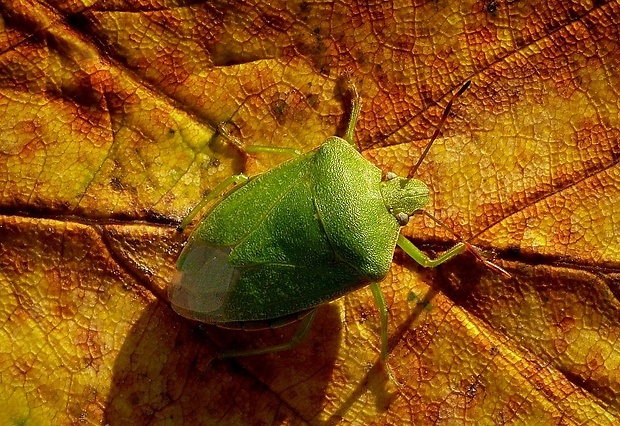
[[304, 233]]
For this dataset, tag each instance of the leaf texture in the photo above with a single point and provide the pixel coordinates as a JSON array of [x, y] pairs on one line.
[[109, 117]]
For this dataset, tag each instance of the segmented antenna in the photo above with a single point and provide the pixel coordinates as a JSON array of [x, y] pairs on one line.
[[439, 126]]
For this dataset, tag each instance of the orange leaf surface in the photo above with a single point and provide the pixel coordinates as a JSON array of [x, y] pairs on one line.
[[108, 140]]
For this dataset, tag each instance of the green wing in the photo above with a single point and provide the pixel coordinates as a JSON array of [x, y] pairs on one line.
[[240, 212]]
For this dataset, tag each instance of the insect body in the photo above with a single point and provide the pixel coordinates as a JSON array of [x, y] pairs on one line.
[[303, 233], [306, 232]]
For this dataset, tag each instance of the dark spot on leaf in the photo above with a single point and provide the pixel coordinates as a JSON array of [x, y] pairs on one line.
[[78, 21], [573, 16], [276, 22], [519, 42], [116, 184], [615, 151], [313, 100], [152, 216], [278, 108], [304, 7], [471, 390]]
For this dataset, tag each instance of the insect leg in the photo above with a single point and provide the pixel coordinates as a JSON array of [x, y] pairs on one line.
[[215, 193], [254, 149], [473, 250], [299, 336], [383, 312], [356, 106], [417, 254], [492, 266]]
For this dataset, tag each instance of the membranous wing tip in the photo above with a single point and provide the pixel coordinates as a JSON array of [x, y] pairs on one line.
[[199, 287]]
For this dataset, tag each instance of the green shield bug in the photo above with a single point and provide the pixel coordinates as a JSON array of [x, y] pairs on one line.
[[304, 233]]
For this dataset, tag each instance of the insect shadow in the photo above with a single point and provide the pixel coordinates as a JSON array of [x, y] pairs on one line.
[[168, 370]]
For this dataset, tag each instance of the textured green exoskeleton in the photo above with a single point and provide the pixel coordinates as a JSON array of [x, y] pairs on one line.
[[304, 233]]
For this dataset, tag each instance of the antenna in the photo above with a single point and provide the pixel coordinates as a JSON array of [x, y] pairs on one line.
[[439, 126]]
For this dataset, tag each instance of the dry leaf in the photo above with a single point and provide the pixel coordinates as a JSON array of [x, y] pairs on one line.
[[108, 140]]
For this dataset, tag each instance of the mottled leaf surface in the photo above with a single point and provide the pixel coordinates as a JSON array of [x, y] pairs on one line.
[[108, 139]]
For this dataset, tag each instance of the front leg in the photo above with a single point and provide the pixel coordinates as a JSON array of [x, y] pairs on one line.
[[419, 256]]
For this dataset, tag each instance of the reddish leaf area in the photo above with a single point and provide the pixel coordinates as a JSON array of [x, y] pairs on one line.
[[109, 118]]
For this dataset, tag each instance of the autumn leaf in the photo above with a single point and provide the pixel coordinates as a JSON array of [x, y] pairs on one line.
[[109, 116]]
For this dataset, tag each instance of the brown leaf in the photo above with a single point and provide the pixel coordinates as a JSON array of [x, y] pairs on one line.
[[109, 118]]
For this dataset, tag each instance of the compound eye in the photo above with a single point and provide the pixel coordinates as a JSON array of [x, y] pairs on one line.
[[402, 218]]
